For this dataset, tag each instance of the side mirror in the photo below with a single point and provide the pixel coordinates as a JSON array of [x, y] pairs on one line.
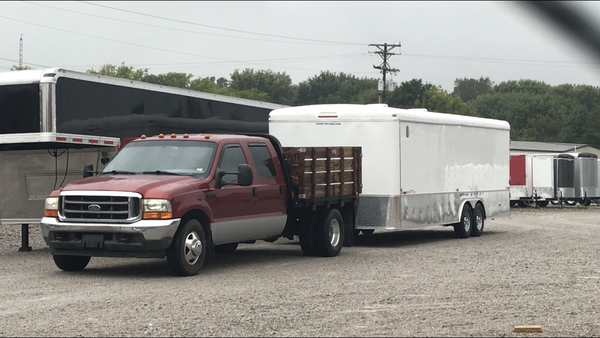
[[88, 170], [244, 174]]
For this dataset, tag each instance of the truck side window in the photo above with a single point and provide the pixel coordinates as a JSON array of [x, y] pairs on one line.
[[262, 160], [231, 157]]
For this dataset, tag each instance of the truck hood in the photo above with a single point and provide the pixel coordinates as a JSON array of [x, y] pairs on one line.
[[154, 186]]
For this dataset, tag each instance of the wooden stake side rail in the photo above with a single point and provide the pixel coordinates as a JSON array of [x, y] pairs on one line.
[[322, 172]]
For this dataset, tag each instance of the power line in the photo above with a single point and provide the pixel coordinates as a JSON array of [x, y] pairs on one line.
[[224, 28], [174, 29]]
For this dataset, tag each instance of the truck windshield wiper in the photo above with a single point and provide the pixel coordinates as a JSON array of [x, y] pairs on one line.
[[118, 172], [161, 172]]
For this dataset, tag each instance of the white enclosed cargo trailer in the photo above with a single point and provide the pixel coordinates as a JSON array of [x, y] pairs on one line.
[[419, 168]]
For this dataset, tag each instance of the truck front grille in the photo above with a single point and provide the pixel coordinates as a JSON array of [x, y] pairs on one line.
[[99, 208]]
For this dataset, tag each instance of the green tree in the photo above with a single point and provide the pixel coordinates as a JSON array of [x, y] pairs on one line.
[[408, 93], [328, 87], [277, 86], [470, 89], [438, 100], [179, 80], [13, 68], [122, 71]]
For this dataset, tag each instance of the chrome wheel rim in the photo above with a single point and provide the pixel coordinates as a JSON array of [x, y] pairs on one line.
[[466, 223], [192, 248], [479, 220], [335, 232]]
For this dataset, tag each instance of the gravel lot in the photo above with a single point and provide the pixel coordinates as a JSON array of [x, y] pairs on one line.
[[538, 267]]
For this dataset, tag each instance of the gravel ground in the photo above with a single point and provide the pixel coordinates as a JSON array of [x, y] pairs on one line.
[[538, 267]]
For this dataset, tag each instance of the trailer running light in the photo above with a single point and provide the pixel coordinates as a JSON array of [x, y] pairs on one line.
[[328, 116], [51, 207]]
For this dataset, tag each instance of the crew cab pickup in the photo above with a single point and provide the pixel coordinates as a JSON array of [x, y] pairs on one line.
[[187, 197]]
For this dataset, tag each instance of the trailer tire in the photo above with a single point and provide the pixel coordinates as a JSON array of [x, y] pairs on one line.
[[521, 204], [188, 250], [328, 233], [226, 248], [555, 202], [478, 221], [585, 202], [570, 202], [307, 245], [542, 204], [71, 263], [464, 227]]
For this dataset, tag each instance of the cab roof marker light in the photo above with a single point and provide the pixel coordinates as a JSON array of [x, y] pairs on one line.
[[186, 135], [173, 135], [207, 136], [143, 137], [161, 136]]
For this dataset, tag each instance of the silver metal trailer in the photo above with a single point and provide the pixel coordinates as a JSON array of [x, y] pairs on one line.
[[420, 168], [53, 121]]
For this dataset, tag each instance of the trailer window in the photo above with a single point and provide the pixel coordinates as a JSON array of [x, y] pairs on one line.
[[231, 157], [20, 108], [262, 160]]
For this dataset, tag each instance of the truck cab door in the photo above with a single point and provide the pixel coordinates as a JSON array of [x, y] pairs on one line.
[[232, 205], [269, 195]]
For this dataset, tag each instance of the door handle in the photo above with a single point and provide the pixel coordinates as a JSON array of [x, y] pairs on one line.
[[254, 194]]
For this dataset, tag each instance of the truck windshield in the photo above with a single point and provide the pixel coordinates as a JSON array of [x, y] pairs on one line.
[[163, 157]]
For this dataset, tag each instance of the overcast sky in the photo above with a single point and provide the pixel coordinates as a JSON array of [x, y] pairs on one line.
[[440, 41]]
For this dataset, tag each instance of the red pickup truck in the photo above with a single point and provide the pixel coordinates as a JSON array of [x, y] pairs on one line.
[[189, 196]]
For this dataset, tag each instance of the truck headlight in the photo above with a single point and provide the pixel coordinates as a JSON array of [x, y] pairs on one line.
[[156, 209], [51, 207]]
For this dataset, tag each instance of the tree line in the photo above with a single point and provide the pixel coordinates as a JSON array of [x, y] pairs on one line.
[[535, 110]]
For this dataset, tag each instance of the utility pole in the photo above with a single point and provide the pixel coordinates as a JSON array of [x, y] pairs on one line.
[[384, 52], [21, 52]]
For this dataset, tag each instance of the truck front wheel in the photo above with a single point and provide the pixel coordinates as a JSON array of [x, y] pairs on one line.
[[329, 233], [71, 263], [188, 250]]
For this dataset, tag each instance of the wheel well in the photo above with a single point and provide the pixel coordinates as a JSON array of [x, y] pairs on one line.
[[200, 216], [483, 207]]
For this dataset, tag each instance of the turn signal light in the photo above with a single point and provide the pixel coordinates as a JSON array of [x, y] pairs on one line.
[[51, 213], [157, 215]]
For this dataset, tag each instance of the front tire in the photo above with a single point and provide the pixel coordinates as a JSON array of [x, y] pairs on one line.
[[328, 234], [464, 227], [188, 250], [71, 263], [478, 221]]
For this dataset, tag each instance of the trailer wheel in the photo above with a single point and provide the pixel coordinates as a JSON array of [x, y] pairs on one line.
[[555, 202], [585, 202], [328, 234], [188, 250], [570, 202], [478, 221], [71, 263], [463, 228], [521, 204], [226, 248], [542, 204]]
